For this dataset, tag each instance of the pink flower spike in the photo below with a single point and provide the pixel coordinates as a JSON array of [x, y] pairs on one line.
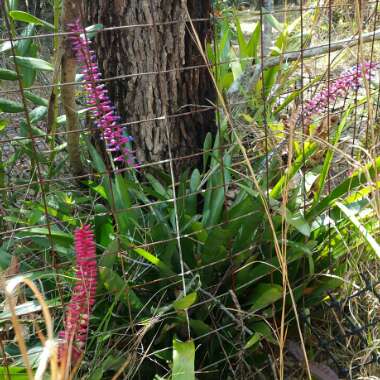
[[349, 80], [73, 338], [101, 106]]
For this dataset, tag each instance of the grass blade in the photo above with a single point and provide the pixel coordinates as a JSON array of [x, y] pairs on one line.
[[330, 155], [363, 231]]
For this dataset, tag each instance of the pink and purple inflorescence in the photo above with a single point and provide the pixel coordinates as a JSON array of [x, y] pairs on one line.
[[349, 80], [100, 105], [74, 336]]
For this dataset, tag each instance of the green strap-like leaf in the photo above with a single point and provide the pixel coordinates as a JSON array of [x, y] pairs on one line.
[[330, 154], [6, 74], [164, 268], [185, 302], [30, 19], [183, 360], [36, 99], [34, 63], [10, 106], [357, 179], [363, 231], [264, 295]]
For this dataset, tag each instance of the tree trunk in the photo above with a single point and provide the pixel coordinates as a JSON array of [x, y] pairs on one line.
[[69, 66], [167, 52]]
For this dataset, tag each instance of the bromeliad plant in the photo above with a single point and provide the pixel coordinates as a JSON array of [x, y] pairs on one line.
[[228, 257], [224, 246]]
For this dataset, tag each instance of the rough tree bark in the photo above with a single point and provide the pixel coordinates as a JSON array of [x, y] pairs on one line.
[[168, 49]]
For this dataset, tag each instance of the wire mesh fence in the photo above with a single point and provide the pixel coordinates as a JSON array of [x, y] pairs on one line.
[[252, 189], [352, 330]]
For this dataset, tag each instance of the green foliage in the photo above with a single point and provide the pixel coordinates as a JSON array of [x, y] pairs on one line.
[[33, 63], [30, 19], [220, 270], [27, 62], [10, 106], [183, 360], [6, 74], [214, 236]]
